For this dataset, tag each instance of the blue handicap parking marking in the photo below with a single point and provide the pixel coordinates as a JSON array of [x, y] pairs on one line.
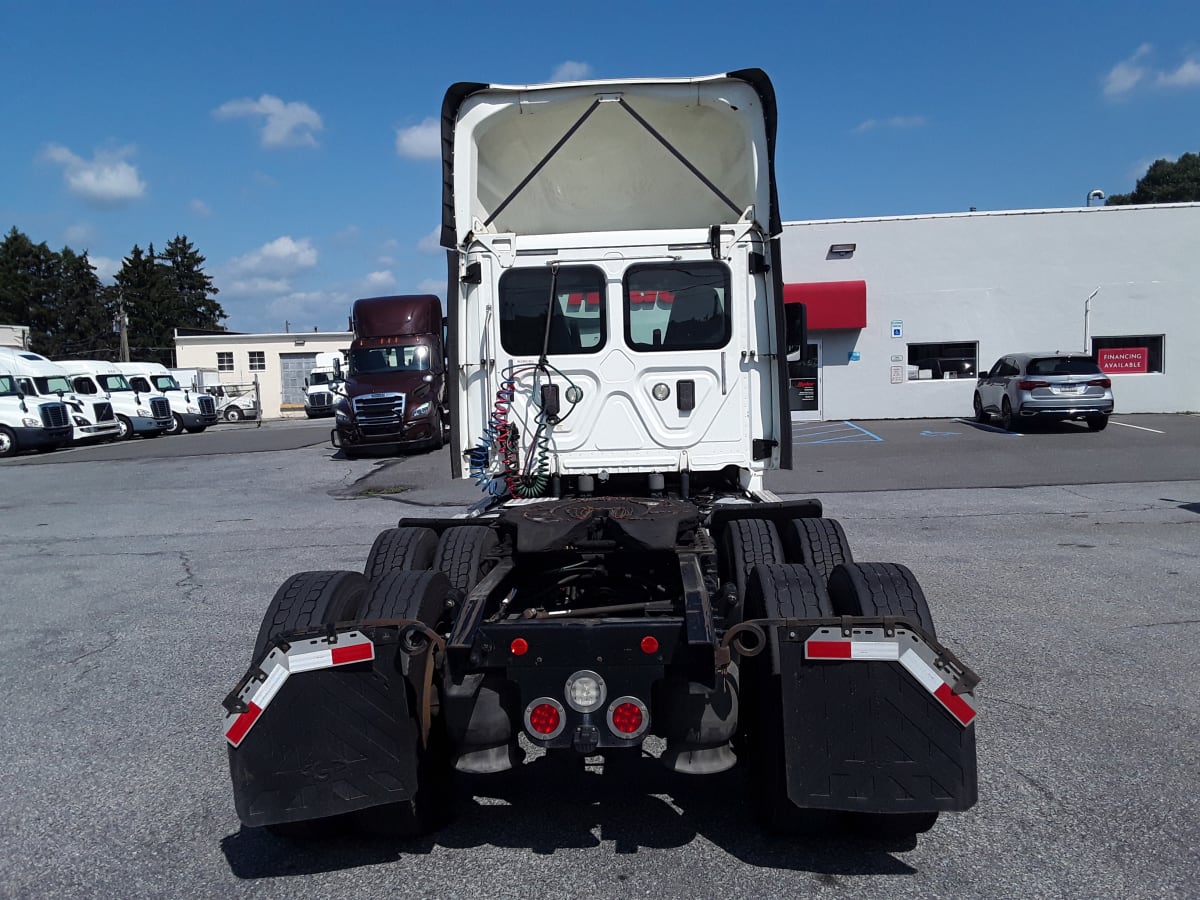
[[831, 433], [939, 433]]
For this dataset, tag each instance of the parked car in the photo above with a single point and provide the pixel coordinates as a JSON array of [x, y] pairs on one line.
[[1053, 385]]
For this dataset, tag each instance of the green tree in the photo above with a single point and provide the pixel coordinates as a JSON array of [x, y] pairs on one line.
[[1165, 182], [28, 282], [86, 311], [193, 288]]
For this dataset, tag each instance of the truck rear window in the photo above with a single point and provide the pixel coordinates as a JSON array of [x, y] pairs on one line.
[[576, 310], [678, 306]]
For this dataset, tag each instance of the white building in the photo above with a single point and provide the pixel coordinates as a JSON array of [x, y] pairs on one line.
[[892, 301], [280, 362], [889, 293]]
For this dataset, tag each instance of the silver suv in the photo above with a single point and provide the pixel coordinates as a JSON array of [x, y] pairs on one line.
[[1046, 386]]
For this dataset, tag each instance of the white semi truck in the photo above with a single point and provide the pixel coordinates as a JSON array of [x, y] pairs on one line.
[[138, 412], [92, 419], [321, 385], [618, 389], [28, 422], [191, 411]]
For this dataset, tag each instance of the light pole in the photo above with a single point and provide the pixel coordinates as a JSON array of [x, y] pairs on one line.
[[1095, 195], [1087, 312]]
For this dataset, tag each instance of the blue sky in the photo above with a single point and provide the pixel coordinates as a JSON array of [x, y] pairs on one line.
[[295, 143]]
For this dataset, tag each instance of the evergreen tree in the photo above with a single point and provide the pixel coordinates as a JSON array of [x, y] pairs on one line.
[[1165, 182], [28, 282]]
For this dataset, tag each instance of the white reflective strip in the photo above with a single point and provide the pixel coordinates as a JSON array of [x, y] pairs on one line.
[[270, 687], [306, 662], [921, 671], [874, 650]]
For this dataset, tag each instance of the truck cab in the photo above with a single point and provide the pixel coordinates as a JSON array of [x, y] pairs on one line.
[[141, 413], [394, 390], [92, 419], [26, 423], [190, 411], [323, 384]]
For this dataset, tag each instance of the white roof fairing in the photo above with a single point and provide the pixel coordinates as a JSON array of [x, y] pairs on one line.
[[606, 155]]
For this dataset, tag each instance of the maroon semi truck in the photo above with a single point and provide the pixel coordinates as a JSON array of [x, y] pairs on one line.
[[395, 387]]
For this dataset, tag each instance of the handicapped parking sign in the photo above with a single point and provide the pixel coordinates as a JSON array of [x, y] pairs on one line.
[[897, 328]]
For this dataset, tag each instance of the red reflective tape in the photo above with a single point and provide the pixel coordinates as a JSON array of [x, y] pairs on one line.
[[828, 649], [352, 654], [959, 708], [242, 724]]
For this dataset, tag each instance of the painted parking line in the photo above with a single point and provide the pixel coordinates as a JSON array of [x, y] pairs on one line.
[[1138, 427], [831, 433]]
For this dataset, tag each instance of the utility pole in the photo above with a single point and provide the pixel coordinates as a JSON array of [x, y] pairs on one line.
[[123, 327]]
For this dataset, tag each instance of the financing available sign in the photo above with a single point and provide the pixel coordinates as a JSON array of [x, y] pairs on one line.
[[1123, 360]]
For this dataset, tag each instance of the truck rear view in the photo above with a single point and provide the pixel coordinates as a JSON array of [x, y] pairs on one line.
[[627, 588]]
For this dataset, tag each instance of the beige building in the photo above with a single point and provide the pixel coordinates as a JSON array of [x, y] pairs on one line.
[[280, 362]]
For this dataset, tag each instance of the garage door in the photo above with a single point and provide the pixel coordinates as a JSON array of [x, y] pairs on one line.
[[293, 369]]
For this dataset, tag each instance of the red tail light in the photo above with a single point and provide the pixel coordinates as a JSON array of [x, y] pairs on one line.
[[649, 645], [627, 718], [518, 647], [1100, 382], [545, 720], [1026, 385]]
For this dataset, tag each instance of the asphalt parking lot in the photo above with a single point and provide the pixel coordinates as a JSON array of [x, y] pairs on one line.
[[1061, 565]]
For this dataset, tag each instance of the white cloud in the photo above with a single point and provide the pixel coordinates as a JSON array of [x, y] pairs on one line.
[[378, 280], [106, 180], [281, 256], [306, 309], [386, 260], [433, 286], [1126, 75], [572, 71], [422, 141], [200, 208], [432, 242], [255, 287], [106, 268], [1187, 75], [79, 233], [283, 124], [893, 122]]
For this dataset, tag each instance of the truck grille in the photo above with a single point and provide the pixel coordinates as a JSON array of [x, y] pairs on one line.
[[104, 412], [160, 408], [320, 400], [208, 406], [54, 415], [379, 413]]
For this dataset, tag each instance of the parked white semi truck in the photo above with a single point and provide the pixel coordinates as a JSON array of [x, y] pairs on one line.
[[320, 387], [28, 422], [618, 381], [190, 411], [138, 412], [92, 418]]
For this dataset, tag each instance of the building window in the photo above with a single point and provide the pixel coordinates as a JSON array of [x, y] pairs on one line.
[[938, 362], [1135, 354], [224, 360], [258, 360]]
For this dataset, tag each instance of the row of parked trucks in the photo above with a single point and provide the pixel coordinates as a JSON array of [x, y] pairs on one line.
[[47, 404]]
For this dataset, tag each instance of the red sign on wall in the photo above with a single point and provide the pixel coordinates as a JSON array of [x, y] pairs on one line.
[[1123, 360]]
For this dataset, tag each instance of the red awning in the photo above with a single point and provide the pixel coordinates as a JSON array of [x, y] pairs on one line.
[[831, 304]]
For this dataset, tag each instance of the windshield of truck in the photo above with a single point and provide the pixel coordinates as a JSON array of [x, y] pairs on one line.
[[8, 386], [576, 310], [393, 358], [113, 383], [165, 383], [677, 306], [52, 384], [320, 378]]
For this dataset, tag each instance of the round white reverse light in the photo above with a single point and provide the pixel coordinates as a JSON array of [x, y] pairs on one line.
[[585, 691]]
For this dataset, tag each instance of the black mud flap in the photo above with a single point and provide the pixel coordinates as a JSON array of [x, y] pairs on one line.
[[869, 734], [332, 741]]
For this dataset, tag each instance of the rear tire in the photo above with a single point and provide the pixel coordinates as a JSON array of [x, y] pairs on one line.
[[401, 549], [745, 544], [309, 599], [462, 554], [1097, 423], [776, 592], [1007, 419], [233, 414], [980, 415], [879, 589], [820, 544]]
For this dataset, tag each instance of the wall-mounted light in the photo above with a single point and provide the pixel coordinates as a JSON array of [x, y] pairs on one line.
[[842, 250]]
